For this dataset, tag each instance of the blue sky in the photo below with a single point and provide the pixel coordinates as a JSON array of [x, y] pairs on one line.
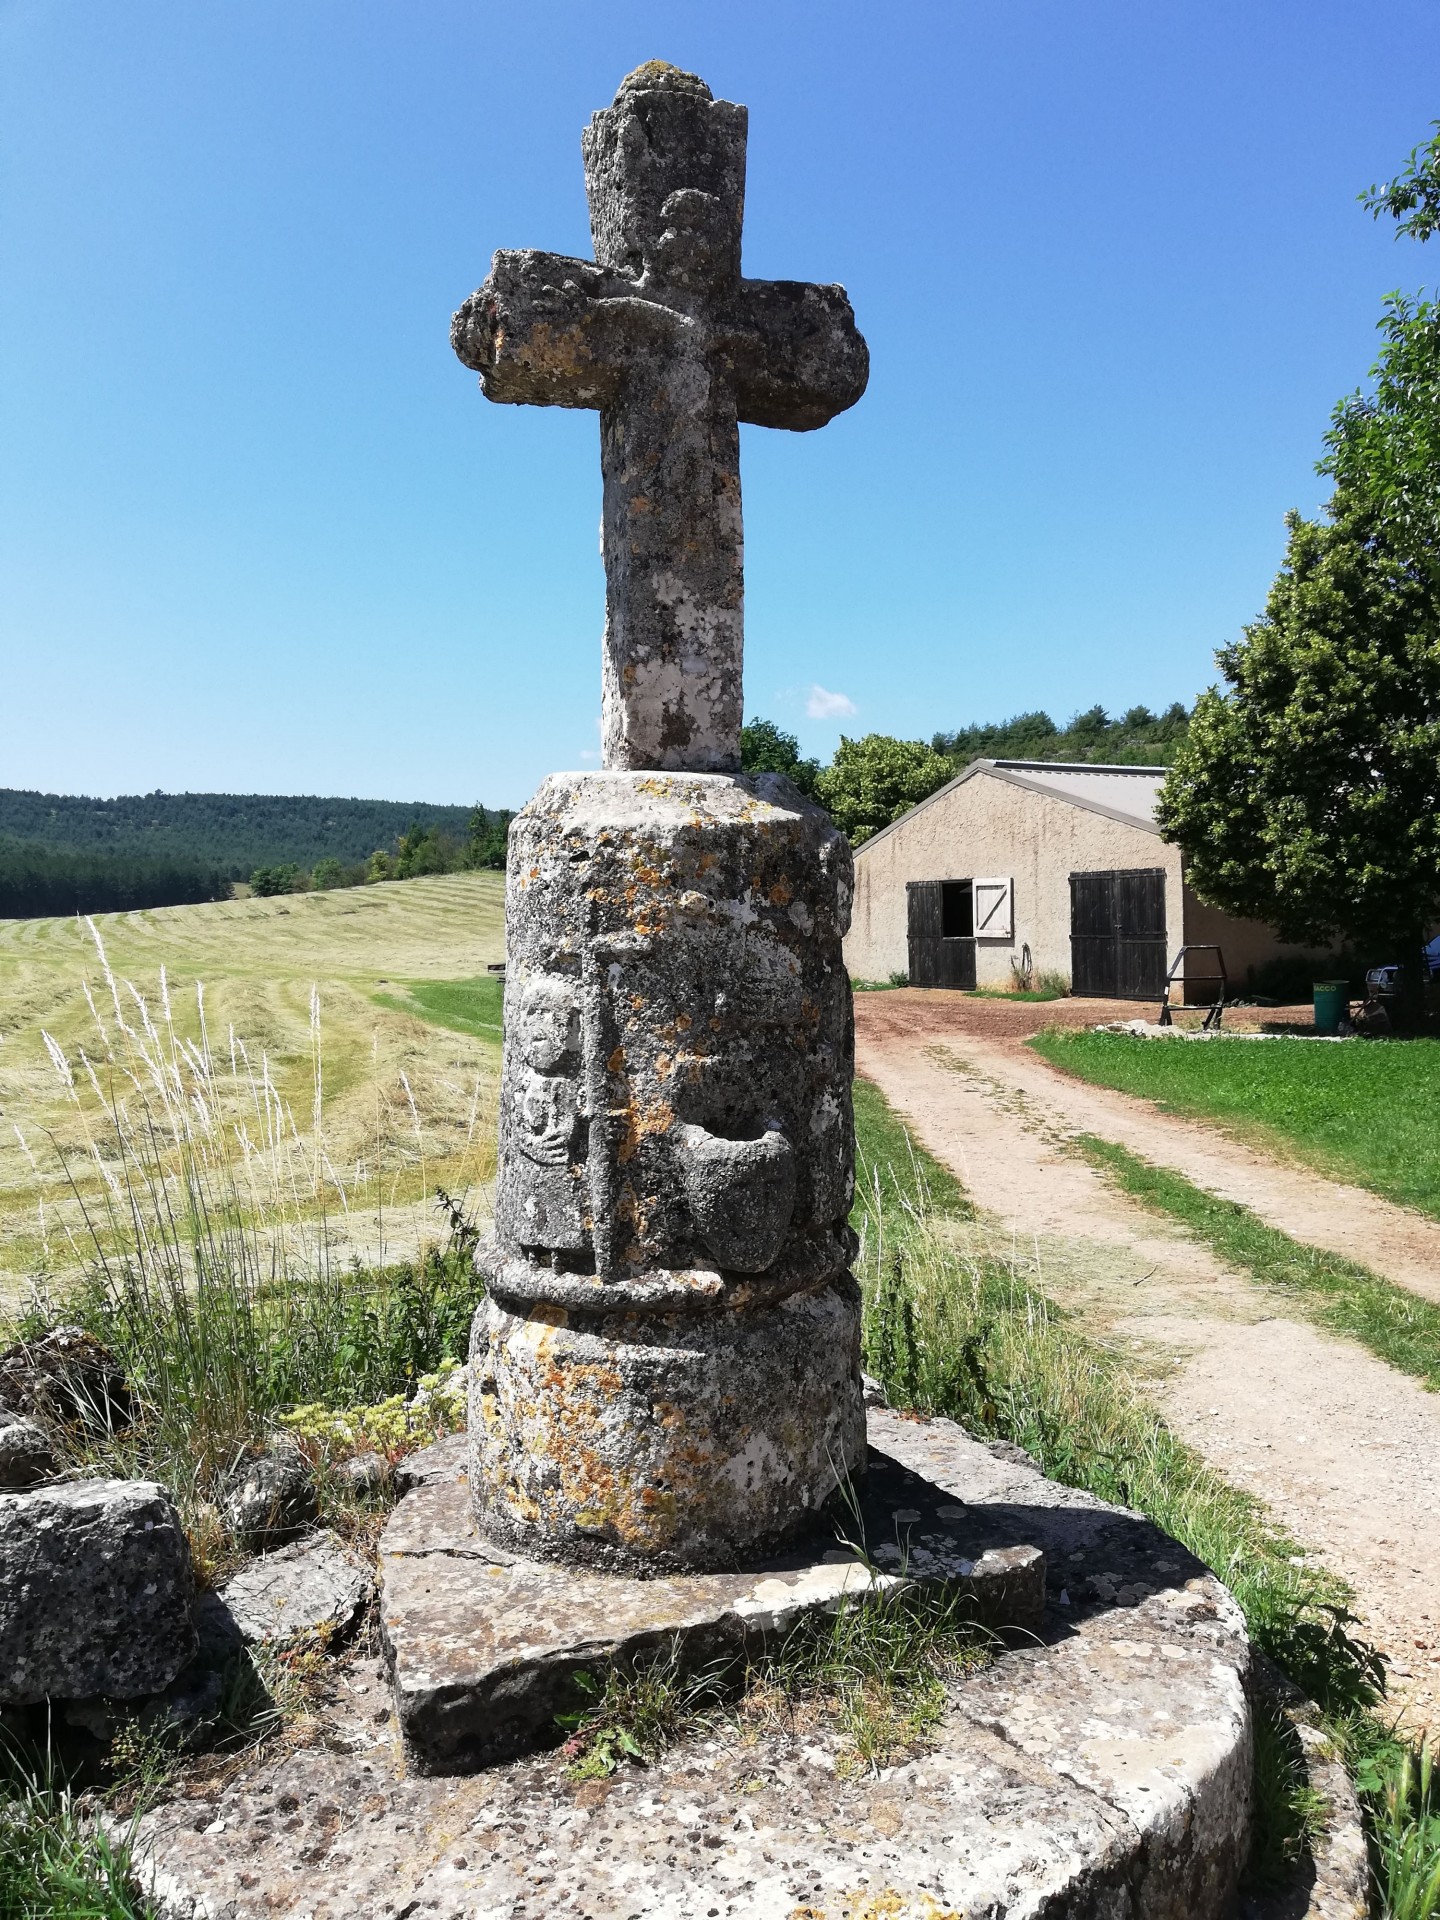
[[259, 530]]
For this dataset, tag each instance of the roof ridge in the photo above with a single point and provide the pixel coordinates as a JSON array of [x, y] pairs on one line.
[[1081, 766]]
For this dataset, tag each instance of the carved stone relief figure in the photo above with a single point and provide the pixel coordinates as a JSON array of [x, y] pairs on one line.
[[547, 1116]]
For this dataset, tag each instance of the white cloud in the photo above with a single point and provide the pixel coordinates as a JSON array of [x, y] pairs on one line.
[[821, 704]]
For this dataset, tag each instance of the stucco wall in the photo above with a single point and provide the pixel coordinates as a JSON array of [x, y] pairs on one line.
[[1244, 943], [984, 827]]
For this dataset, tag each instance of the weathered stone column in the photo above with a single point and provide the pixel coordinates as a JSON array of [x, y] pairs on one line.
[[667, 1372]]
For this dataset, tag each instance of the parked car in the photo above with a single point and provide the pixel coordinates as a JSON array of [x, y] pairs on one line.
[[1383, 983]]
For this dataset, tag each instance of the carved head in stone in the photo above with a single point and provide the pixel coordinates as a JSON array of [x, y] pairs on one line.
[[547, 1023]]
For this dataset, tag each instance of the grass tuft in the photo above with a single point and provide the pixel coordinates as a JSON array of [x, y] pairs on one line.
[[57, 1862]]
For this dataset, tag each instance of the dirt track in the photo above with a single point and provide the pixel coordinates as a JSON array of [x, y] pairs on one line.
[[1345, 1451]]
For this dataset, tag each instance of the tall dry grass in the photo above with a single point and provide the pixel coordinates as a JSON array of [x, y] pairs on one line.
[[199, 1242]]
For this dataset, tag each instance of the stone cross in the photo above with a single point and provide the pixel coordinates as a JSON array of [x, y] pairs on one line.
[[663, 337]]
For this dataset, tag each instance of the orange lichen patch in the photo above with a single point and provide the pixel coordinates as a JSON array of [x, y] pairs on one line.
[[647, 876], [616, 1062], [664, 1066], [683, 1023], [782, 893], [863, 1904], [641, 1122]]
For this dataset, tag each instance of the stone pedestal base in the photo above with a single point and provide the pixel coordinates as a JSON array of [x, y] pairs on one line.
[[1101, 1774], [484, 1644], [654, 1442]]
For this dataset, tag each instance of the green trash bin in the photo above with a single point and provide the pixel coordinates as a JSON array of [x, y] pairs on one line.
[[1332, 1003]]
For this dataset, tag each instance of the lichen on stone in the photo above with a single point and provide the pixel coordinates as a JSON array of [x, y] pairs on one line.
[[659, 76]]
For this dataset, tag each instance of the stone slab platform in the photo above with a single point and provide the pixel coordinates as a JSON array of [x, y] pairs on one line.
[[484, 1645], [1101, 1775]]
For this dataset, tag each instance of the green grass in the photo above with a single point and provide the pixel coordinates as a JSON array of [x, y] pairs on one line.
[[1015, 993], [1340, 1294], [906, 1176], [879, 1668], [55, 1864], [460, 1006], [976, 1340], [1358, 1110]]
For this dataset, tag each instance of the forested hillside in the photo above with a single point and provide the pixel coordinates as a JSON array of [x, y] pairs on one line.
[[69, 853], [1137, 737], [37, 880], [232, 833]]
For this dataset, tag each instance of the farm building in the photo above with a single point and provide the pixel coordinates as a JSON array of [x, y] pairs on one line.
[[1046, 863]]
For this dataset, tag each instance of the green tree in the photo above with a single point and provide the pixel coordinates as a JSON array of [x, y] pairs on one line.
[[486, 839], [1383, 447], [327, 873], [1308, 793], [266, 881], [874, 780], [766, 748], [425, 849], [1413, 198]]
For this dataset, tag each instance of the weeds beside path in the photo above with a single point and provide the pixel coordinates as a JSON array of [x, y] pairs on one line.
[[970, 1335], [1344, 1450], [1398, 1327]]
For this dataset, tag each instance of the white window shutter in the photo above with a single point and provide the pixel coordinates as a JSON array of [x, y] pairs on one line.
[[994, 909]]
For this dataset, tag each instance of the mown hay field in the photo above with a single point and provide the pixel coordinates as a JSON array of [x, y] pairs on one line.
[[286, 987]]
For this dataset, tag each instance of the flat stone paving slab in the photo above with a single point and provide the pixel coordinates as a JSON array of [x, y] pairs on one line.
[[484, 1645], [314, 1585], [1103, 1774]]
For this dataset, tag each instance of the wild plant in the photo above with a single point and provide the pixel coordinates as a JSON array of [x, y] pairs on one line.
[[203, 1237]]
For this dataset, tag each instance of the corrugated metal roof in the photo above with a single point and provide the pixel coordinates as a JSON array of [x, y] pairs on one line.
[[1129, 791]]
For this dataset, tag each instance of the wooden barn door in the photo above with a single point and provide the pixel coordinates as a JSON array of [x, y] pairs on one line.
[[940, 925], [1117, 933]]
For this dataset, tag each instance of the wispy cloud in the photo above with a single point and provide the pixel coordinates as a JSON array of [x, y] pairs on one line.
[[821, 704]]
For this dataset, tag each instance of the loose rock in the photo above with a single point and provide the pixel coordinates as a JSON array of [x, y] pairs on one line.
[[66, 1376], [311, 1586], [95, 1592], [26, 1455], [367, 1475], [272, 1499]]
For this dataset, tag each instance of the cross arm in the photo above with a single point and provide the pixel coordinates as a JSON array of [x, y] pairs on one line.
[[541, 331], [798, 357]]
